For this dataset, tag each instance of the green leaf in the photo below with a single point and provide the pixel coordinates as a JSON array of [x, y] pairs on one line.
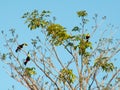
[[3, 56], [76, 28], [66, 75], [82, 13], [30, 71]]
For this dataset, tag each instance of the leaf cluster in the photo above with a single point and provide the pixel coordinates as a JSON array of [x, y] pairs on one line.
[[82, 43], [102, 62], [66, 75], [36, 20], [82, 13], [29, 71], [57, 33]]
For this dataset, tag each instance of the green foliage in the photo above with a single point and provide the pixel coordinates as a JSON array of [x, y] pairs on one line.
[[57, 33], [66, 75], [108, 67], [77, 44], [102, 62], [83, 45], [82, 13], [3, 56], [29, 71], [36, 20], [76, 28]]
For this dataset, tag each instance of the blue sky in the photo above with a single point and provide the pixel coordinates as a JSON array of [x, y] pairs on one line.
[[65, 11]]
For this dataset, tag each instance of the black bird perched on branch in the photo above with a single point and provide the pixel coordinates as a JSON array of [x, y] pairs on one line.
[[20, 47], [87, 37], [27, 59]]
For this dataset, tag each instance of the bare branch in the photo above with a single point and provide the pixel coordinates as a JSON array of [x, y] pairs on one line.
[[114, 75]]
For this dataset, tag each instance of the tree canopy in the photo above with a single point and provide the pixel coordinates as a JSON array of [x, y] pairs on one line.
[[91, 62]]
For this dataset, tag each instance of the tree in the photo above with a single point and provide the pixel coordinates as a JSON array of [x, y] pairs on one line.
[[91, 54]]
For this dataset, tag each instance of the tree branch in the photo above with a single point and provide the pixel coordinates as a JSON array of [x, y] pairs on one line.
[[113, 77]]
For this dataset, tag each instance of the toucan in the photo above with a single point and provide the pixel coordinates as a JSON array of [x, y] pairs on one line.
[[20, 47], [87, 37], [27, 59]]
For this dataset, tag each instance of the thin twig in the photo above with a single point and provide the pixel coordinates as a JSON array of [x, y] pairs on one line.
[[57, 57], [113, 77], [47, 75]]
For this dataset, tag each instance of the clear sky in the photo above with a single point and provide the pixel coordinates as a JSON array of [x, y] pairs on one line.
[[65, 11]]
